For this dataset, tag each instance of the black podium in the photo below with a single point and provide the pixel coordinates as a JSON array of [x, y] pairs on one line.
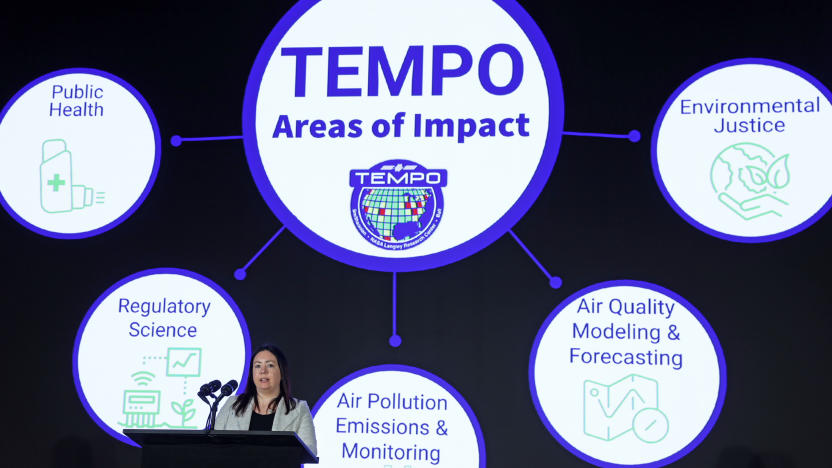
[[250, 449]]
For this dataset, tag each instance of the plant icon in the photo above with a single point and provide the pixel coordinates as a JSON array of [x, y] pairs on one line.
[[182, 409], [746, 177]]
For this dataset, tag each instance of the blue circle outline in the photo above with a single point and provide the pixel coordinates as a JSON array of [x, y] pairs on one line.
[[153, 271], [655, 161], [422, 373], [438, 259], [723, 376], [150, 181]]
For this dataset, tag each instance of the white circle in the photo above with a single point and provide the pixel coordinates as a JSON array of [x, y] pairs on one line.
[[351, 424], [486, 175], [131, 381], [718, 178], [79, 151], [591, 400]]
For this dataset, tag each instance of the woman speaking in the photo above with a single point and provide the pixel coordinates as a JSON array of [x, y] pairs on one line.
[[267, 403]]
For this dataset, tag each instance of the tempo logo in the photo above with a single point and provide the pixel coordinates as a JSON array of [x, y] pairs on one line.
[[397, 204]]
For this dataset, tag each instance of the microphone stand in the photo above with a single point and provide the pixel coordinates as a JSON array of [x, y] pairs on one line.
[[209, 424], [226, 390], [212, 416]]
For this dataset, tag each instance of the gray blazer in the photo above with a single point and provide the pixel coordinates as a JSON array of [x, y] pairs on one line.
[[299, 420]]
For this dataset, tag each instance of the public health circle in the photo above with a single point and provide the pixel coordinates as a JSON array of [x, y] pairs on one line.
[[147, 345], [402, 136], [80, 153], [395, 415], [741, 150], [627, 373]]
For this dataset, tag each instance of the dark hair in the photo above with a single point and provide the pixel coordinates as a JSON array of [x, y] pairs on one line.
[[251, 390]]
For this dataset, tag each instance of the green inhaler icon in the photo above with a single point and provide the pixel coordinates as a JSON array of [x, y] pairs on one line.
[[57, 192]]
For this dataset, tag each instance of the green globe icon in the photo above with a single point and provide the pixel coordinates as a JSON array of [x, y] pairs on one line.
[[748, 178]]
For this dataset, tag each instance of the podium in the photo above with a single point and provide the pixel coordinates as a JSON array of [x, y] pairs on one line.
[[250, 449]]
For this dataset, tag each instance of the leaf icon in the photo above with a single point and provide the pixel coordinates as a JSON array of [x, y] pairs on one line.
[[177, 408], [758, 176], [188, 402], [188, 415], [753, 178], [778, 173]]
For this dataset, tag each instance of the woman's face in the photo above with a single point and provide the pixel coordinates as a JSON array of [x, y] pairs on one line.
[[266, 374]]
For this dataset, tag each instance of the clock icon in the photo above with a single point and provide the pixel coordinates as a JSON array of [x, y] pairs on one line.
[[650, 425]]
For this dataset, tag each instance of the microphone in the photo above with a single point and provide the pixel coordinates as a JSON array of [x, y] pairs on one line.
[[229, 388], [208, 390], [210, 387]]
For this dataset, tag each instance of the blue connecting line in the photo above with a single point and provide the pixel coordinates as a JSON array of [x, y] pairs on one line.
[[240, 274]]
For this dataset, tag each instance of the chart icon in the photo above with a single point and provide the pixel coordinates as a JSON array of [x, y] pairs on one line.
[[184, 362]]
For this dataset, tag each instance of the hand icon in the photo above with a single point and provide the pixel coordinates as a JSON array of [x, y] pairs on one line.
[[753, 207]]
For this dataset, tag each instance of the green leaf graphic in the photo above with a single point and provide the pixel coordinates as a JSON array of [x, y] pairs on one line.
[[778, 175], [177, 408], [758, 176], [753, 178], [188, 415]]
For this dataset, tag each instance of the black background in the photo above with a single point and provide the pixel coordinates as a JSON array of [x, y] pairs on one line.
[[600, 217]]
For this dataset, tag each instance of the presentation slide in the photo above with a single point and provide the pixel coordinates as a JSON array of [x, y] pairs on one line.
[[388, 234]]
